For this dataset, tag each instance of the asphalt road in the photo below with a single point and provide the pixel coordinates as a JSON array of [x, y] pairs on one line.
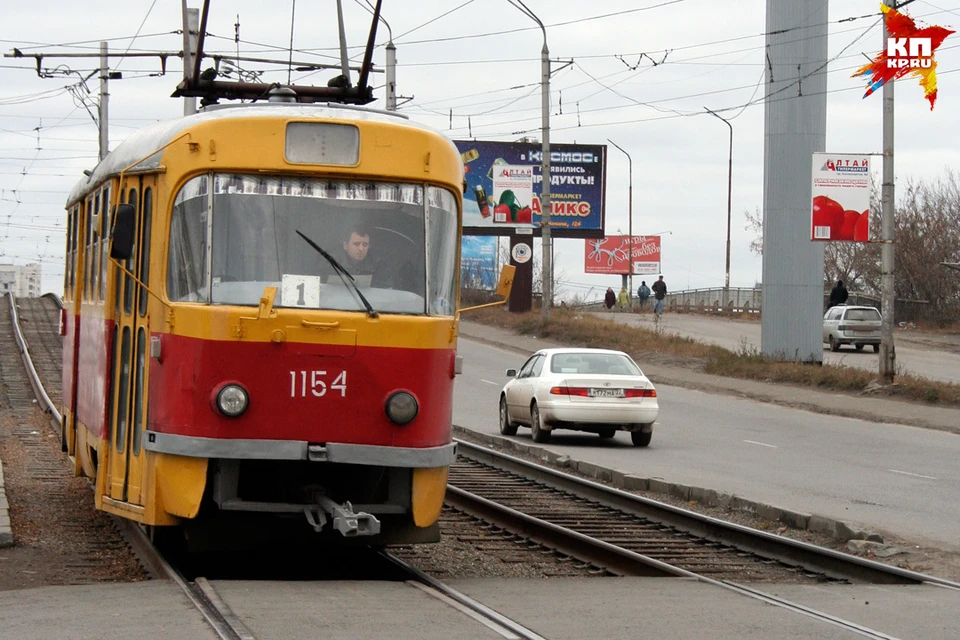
[[929, 355], [891, 478]]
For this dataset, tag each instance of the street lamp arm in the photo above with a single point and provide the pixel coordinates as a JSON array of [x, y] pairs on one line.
[[630, 216], [530, 14], [729, 195], [546, 241]]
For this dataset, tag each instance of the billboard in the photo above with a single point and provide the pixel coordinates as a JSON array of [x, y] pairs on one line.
[[841, 198], [577, 188], [478, 262], [610, 255]]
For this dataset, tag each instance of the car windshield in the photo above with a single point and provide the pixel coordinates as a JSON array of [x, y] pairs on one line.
[[594, 363], [862, 314], [233, 235]]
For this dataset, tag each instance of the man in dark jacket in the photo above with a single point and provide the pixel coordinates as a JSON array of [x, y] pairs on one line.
[[838, 295], [643, 292], [659, 293]]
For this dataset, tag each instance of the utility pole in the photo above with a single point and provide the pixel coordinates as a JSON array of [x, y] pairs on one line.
[[546, 241], [546, 245], [191, 28], [888, 354], [726, 280], [391, 74], [630, 215], [102, 122], [344, 61]]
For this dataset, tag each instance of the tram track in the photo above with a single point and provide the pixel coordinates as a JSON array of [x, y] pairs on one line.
[[662, 540], [32, 333], [693, 544], [611, 528]]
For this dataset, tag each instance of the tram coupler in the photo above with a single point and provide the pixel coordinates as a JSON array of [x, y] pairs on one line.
[[345, 520]]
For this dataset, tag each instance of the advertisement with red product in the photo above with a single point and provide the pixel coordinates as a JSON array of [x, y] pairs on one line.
[[841, 198], [513, 194], [609, 255]]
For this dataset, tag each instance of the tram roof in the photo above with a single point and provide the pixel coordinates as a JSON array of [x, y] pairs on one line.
[[155, 136]]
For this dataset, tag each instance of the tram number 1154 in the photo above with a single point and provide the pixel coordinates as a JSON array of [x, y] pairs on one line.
[[303, 383]]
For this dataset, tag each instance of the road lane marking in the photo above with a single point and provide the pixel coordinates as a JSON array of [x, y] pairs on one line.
[[496, 384], [772, 446], [915, 475]]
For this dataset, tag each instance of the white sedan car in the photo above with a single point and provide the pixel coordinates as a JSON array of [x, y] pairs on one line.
[[594, 390]]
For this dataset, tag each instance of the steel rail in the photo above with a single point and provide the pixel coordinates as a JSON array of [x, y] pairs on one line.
[[592, 550], [201, 594], [478, 611], [793, 552], [34, 378], [615, 559]]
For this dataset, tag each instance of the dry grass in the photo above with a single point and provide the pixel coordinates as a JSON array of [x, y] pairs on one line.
[[575, 329]]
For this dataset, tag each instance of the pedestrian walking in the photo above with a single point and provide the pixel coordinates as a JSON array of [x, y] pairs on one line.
[[659, 293], [623, 299], [643, 293], [610, 299]]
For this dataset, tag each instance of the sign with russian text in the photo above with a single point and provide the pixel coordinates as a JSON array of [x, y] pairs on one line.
[[513, 190], [614, 255], [841, 198], [577, 188], [478, 262]]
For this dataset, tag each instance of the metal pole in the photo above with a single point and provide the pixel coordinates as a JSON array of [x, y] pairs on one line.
[[344, 64], [888, 356], [546, 244], [630, 214], [391, 76], [191, 26], [545, 189], [104, 102], [726, 280]]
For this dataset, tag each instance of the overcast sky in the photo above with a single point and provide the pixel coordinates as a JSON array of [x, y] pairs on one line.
[[480, 61]]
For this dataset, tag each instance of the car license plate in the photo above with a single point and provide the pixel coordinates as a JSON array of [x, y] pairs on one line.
[[606, 393]]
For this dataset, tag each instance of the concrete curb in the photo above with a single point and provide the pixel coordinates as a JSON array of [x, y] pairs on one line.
[[838, 529], [6, 532]]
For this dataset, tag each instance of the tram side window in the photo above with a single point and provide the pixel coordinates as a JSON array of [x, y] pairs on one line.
[[186, 263], [144, 255], [68, 272], [95, 250], [74, 234], [128, 284], [442, 247], [88, 241], [105, 242], [121, 279]]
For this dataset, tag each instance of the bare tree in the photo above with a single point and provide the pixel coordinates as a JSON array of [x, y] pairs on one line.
[[755, 224], [928, 233]]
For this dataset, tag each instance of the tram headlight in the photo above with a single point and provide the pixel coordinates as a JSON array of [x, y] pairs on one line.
[[402, 407], [232, 400]]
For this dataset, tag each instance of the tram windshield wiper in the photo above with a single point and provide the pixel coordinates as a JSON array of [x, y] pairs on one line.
[[348, 280]]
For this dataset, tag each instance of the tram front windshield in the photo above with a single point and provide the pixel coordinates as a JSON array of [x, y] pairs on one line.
[[233, 235]]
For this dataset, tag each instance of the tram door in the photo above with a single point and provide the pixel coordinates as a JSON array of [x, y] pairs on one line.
[[131, 349]]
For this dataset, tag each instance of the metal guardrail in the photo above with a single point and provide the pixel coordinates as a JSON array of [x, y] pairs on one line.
[[743, 300], [713, 300], [41, 393]]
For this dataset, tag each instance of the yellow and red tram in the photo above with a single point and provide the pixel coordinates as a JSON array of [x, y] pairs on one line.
[[222, 367]]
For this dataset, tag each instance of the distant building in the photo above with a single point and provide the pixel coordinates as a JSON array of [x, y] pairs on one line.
[[23, 281]]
